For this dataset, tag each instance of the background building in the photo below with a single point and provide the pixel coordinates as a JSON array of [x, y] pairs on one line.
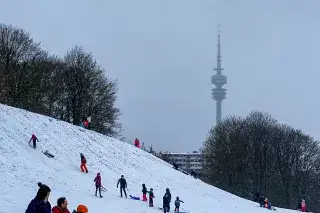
[[186, 161]]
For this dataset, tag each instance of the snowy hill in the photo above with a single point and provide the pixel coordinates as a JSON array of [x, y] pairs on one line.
[[22, 167]]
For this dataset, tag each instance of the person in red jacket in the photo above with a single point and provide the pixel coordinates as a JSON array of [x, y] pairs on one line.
[[97, 180], [85, 123], [137, 142], [83, 166], [62, 206], [34, 140]]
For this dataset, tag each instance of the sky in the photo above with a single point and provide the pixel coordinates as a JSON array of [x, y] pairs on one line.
[[162, 53]]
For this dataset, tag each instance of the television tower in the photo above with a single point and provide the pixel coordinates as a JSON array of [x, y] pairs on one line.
[[218, 93]]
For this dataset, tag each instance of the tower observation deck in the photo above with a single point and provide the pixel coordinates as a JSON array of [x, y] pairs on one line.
[[218, 93]]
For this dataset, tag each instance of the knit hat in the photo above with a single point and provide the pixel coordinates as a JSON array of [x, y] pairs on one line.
[[82, 209]]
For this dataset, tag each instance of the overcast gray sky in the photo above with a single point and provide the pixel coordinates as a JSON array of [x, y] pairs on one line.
[[163, 53]]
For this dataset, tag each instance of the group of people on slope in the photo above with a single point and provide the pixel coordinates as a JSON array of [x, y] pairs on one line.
[[41, 204], [264, 202], [167, 201]]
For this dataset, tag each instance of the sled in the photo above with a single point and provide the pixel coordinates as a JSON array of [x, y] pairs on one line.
[[103, 189], [48, 154], [134, 198]]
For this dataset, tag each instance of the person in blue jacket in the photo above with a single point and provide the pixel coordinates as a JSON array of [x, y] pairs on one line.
[[40, 203]]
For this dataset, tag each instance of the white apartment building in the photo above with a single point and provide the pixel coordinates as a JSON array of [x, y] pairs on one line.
[[186, 161]]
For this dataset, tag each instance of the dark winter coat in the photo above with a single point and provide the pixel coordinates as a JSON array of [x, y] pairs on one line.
[[144, 190], [168, 195], [38, 206], [151, 195], [177, 203], [83, 159], [123, 183], [299, 205], [261, 200], [165, 201], [98, 180]]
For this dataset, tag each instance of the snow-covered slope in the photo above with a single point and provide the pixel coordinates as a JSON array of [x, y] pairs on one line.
[[22, 167]]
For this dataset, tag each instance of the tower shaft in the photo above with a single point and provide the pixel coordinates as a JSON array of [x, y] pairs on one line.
[[219, 93], [218, 111]]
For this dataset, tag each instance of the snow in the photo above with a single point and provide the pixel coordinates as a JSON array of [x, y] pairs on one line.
[[22, 167]]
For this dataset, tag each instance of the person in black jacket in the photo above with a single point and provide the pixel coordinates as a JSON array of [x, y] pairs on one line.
[[168, 196], [40, 203], [123, 185], [166, 204], [144, 192], [261, 200]]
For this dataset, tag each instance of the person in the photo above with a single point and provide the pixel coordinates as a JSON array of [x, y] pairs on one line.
[[151, 196], [144, 192], [97, 180], [168, 196], [261, 200], [177, 204], [85, 123], [123, 185], [34, 140], [166, 204], [256, 197], [267, 203], [83, 165], [40, 203], [62, 206], [137, 143], [302, 206], [81, 209], [175, 166], [194, 174]]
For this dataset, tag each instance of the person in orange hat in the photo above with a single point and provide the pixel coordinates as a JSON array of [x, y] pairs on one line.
[[81, 209]]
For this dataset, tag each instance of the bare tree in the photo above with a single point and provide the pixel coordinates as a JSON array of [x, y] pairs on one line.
[[69, 89]]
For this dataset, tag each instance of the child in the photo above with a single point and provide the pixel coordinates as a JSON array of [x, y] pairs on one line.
[[177, 204], [83, 165], [151, 196], [144, 193], [97, 180], [303, 206], [34, 140], [267, 203]]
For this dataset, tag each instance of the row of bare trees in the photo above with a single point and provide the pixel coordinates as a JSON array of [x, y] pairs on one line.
[[68, 88], [256, 153]]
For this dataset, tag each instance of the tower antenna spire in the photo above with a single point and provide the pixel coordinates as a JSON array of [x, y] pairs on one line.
[[218, 93]]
